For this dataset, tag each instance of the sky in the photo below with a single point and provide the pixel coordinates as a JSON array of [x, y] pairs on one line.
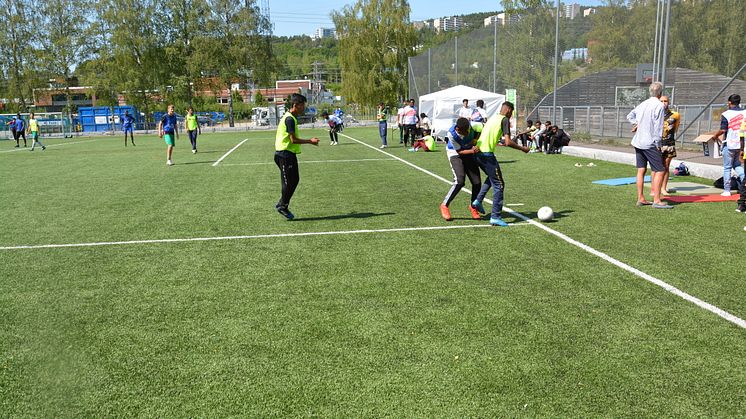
[[296, 17]]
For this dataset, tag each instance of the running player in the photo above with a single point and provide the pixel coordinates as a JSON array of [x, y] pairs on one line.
[[168, 129]]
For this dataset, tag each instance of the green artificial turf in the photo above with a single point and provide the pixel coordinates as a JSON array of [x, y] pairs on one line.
[[474, 322]]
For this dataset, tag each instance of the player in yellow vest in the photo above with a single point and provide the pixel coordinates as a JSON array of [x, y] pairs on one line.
[[497, 128], [426, 143], [287, 147], [33, 130], [192, 128]]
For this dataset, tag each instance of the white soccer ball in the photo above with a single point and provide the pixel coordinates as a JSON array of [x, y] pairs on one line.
[[545, 214]]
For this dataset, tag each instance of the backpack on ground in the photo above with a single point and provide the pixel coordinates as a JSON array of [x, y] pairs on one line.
[[681, 170]]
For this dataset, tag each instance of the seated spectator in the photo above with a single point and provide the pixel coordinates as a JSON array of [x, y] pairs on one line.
[[525, 136], [426, 143], [558, 138], [536, 136], [545, 137], [423, 125]]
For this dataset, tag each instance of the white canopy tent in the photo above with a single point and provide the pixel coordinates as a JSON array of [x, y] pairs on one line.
[[442, 107]]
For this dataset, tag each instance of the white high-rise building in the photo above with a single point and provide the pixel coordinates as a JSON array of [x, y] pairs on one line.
[[570, 10], [450, 23], [589, 11], [324, 33]]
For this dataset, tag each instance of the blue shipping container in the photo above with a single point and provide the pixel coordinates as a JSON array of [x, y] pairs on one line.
[[101, 118]]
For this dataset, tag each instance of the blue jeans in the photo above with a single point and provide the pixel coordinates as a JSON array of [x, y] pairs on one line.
[[382, 131], [730, 162], [490, 167], [193, 138]]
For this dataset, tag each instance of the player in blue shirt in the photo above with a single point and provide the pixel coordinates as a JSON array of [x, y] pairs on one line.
[[20, 130], [168, 129], [128, 125], [461, 151], [335, 126], [339, 113]]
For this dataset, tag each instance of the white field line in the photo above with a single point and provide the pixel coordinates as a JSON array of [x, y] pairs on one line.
[[50, 145], [306, 161], [256, 236], [229, 152], [666, 286]]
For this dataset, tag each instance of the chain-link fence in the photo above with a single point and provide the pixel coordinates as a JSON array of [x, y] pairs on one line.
[[605, 62]]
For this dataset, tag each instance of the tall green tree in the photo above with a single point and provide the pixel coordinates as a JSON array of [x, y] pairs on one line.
[[376, 40], [16, 42], [234, 48], [65, 35], [132, 57], [188, 18]]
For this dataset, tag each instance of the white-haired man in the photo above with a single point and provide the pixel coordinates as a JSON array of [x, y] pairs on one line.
[[647, 124]]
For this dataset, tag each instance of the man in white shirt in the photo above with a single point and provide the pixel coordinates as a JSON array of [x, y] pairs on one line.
[[465, 111], [409, 119], [647, 124]]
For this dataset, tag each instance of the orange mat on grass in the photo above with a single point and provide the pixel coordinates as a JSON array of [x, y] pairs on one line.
[[701, 198]]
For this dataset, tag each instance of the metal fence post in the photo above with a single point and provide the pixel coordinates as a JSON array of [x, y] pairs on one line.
[[618, 125], [602, 121]]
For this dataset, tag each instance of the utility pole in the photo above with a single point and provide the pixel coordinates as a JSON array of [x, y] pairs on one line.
[[316, 80]]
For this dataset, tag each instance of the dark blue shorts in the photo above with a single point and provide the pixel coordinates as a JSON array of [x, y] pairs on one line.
[[652, 156]]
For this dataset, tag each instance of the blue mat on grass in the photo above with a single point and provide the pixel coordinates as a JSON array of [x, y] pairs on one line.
[[619, 181]]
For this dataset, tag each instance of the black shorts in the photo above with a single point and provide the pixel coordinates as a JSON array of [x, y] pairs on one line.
[[650, 155]]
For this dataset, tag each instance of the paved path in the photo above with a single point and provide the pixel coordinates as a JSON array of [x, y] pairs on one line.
[[698, 164]]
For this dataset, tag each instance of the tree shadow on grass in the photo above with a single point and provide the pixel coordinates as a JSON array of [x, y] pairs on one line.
[[344, 216]]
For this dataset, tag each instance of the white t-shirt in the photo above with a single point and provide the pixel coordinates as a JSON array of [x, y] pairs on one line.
[[425, 123], [409, 117], [539, 131], [732, 119], [399, 114], [465, 113]]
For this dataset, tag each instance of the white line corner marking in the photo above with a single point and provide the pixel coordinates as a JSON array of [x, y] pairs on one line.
[[666, 286], [229, 152]]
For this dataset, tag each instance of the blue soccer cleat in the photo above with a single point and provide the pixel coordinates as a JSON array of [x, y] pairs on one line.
[[478, 205], [285, 213], [498, 222]]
